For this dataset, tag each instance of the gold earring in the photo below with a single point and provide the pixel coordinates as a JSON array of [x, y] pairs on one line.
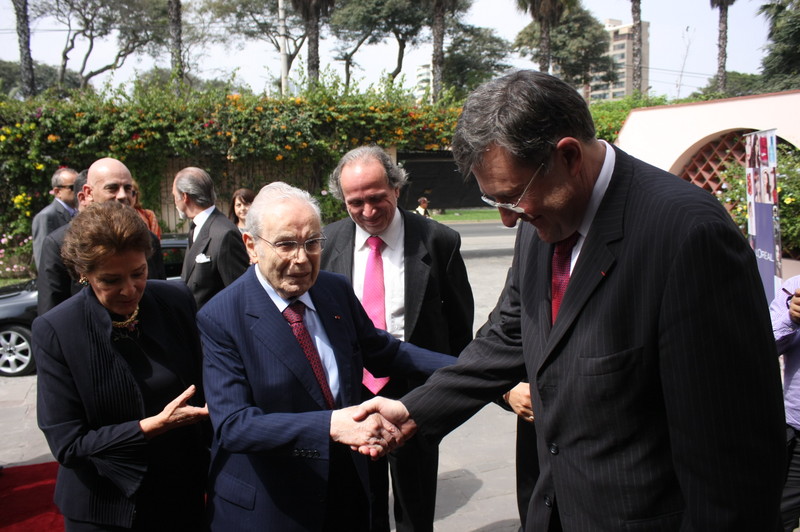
[[83, 281]]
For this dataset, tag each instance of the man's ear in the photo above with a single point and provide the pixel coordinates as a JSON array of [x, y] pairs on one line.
[[250, 245], [570, 150]]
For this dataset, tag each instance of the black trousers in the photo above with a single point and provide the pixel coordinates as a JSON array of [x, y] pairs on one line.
[[414, 471], [790, 501]]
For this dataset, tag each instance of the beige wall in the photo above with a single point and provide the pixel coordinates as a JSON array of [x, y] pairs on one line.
[[668, 136]]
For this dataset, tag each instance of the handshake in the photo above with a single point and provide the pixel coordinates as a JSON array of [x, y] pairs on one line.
[[374, 427]]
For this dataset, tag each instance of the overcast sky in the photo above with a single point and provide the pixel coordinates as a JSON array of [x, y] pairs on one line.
[[683, 44]]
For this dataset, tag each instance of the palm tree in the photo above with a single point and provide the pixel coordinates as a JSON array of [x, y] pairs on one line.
[[722, 42], [311, 11], [439, 9], [28, 84], [636, 15], [174, 10], [547, 14]]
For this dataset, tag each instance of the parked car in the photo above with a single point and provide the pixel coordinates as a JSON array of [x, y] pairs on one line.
[[18, 310]]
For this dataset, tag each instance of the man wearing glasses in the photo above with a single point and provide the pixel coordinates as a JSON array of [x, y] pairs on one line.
[[424, 298], [634, 309], [58, 213], [285, 347], [216, 256]]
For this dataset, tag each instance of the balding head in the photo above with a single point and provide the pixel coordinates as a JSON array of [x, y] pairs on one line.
[[108, 180]]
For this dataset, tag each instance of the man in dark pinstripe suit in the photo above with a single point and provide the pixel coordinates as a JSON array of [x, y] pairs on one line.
[[655, 389]]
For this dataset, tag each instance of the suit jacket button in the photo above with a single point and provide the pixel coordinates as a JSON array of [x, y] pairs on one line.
[[553, 448], [548, 501]]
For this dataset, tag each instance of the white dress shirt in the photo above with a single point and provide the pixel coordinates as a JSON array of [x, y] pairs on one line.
[[315, 329], [598, 192], [394, 276]]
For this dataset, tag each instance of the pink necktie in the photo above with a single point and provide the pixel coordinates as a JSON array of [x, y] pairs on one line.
[[294, 315], [374, 302], [562, 256]]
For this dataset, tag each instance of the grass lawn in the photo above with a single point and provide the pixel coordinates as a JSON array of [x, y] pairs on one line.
[[6, 282], [468, 215]]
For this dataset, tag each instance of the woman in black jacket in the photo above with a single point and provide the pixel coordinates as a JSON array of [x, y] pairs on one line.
[[119, 387]]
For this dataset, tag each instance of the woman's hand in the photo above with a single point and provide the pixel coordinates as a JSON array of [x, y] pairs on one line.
[[176, 414]]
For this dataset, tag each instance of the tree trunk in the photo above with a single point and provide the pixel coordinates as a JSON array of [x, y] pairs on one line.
[[545, 48], [176, 38], [437, 61], [312, 29], [28, 82], [401, 53], [636, 14], [285, 63], [722, 49]]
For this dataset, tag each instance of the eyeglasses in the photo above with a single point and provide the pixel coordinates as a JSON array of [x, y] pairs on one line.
[[288, 248], [513, 207], [68, 187]]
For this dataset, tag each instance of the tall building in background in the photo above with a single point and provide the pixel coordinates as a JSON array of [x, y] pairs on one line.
[[423, 88], [621, 49]]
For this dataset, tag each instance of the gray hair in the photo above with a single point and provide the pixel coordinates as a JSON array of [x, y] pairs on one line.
[[56, 180], [271, 194], [197, 184], [81, 179], [524, 112], [395, 176]]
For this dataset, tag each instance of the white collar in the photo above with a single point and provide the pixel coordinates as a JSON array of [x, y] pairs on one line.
[[278, 300], [599, 190], [392, 236]]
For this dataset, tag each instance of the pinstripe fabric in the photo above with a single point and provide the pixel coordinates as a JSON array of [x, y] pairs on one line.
[[656, 393], [271, 454]]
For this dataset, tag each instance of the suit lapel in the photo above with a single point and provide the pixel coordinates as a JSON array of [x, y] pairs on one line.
[[199, 245], [341, 256], [331, 314], [277, 340], [62, 211], [417, 270], [598, 254]]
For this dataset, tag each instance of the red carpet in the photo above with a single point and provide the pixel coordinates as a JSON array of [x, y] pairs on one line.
[[26, 499]]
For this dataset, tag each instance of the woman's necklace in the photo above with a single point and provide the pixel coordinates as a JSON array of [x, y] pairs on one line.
[[130, 323]]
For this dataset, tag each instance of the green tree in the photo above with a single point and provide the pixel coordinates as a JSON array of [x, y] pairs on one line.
[[354, 23], [136, 24], [256, 20], [738, 84], [781, 65], [174, 12], [46, 77], [579, 49], [438, 11], [27, 76], [474, 55], [722, 42], [312, 12], [547, 14], [636, 16]]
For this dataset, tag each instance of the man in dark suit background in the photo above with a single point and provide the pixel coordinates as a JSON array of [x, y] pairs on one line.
[[654, 379], [216, 255], [58, 213], [427, 301], [277, 396], [106, 180]]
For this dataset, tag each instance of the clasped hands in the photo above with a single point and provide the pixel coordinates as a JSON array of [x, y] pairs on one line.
[[374, 427]]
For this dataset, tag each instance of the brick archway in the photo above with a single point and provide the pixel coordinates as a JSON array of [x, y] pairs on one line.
[[706, 164]]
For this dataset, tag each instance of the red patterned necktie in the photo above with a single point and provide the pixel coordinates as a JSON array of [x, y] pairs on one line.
[[294, 315], [562, 256], [374, 302]]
